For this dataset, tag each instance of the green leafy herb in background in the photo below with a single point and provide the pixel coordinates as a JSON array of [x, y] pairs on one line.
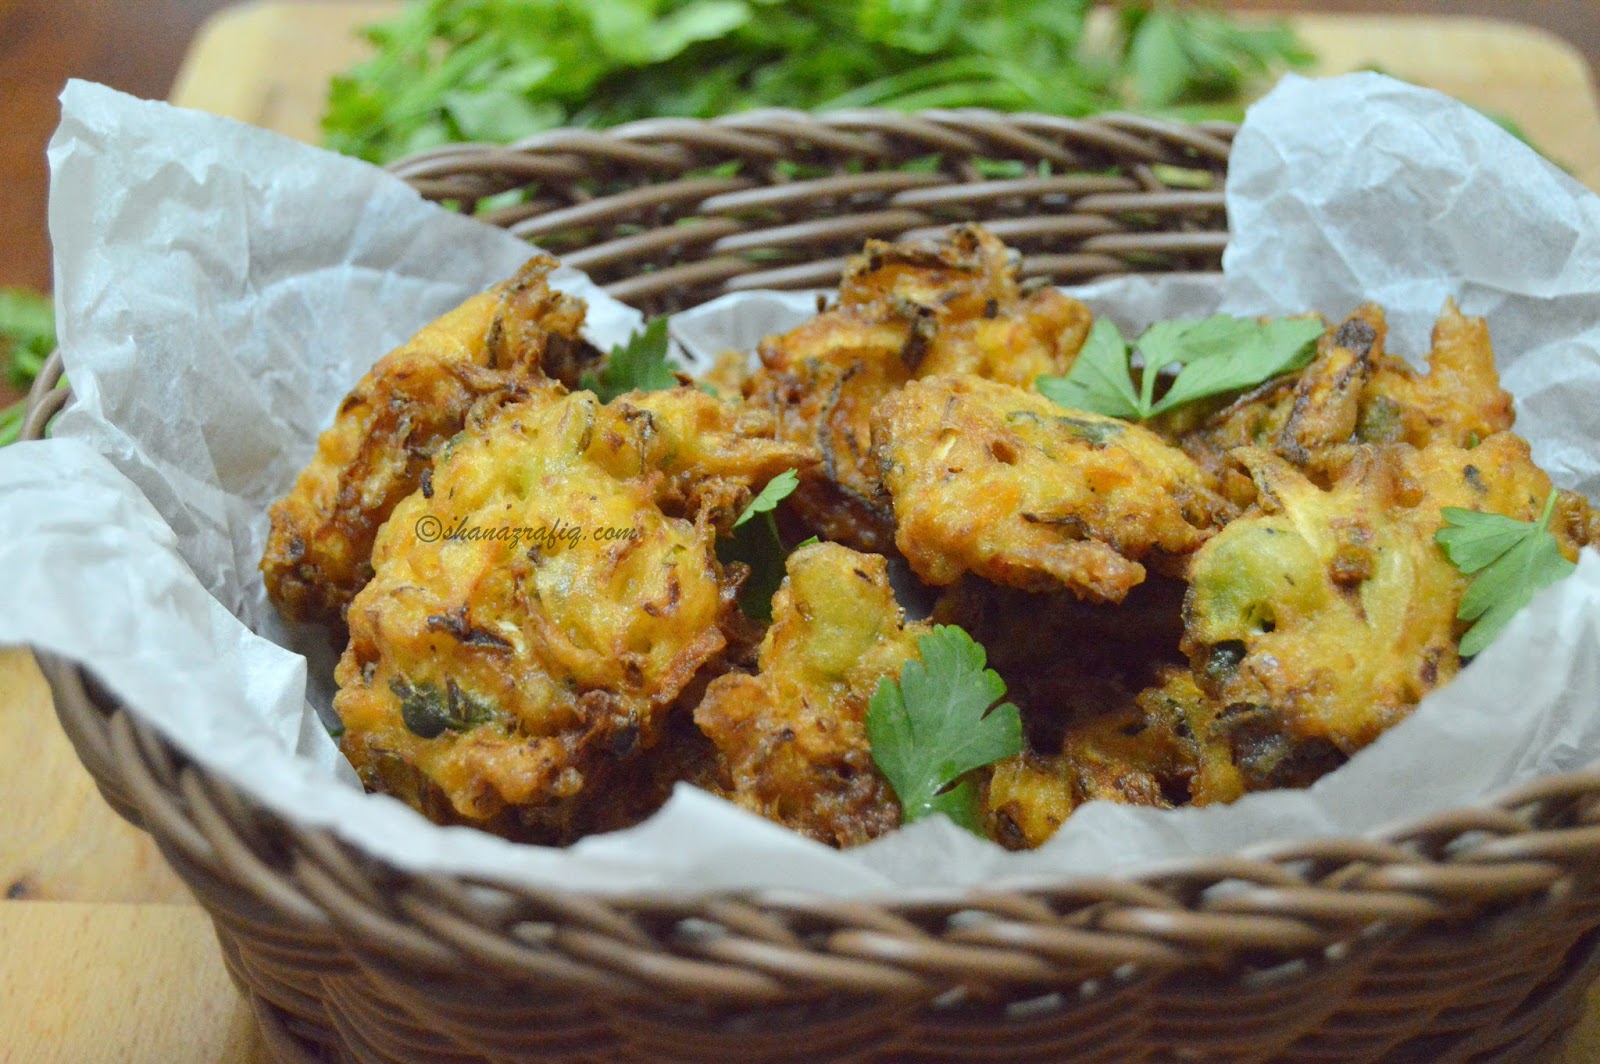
[[758, 545], [496, 70], [640, 365], [1214, 356], [1509, 561], [1177, 56], [939, 721], [27, 336]]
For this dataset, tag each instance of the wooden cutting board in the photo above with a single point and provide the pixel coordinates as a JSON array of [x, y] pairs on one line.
[[111, 969]]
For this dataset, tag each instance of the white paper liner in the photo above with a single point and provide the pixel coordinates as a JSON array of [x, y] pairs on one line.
[[219, 288]]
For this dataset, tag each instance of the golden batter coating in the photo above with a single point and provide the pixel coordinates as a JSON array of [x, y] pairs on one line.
[[1026, 799], [532, 618], [1459, 400], [793, 737], [517, 334], [727, 375], [990, 479], [1322, 620], [710, 451], [1159, 749], [543, 641], [1355, 392], [905, 310]]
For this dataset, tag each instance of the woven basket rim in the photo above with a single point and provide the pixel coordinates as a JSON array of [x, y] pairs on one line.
[[1514, 849]]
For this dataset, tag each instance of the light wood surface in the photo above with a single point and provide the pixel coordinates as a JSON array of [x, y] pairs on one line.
[[111, 982], [64, 842], [91, 977]]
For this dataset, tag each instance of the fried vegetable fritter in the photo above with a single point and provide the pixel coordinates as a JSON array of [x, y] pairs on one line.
[[711, 452], [1236, 595], [905, 310], [990, 479], [1305, 418], [1160, 749], [1355, 392], [793, 736], [532, 618], [1458, 401], [1322, 620], [520, 334]]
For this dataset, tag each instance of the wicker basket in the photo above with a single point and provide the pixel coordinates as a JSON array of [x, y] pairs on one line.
[[1469, 936]]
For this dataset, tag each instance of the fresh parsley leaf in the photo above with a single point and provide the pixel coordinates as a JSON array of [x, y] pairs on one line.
[[1474, 540], [1512, 561], [808, 541], [27, 336], [758, 545], [1099, 380], [1157, 60], [1213, 356], [1222, 354], [640, 365], [940, 721], [778, 488]]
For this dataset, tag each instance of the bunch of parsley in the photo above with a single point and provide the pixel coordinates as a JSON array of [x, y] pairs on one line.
[[27, 336], [496, 70]]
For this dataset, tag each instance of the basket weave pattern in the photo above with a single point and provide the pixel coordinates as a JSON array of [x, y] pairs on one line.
[[668, 213], [1466, 937]]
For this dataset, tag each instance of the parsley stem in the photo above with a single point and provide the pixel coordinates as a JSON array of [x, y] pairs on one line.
[[1549, 509]]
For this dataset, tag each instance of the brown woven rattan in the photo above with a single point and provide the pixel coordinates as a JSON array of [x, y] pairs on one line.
[[1468, 936]]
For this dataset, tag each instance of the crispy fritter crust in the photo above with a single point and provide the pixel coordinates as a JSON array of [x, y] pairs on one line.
[[1355, 393], [1458, 401], [517, 677], [793, 737], [990, 479], [710, 451], [905, 310], [519, 334], [1322, 620], [555, 682], [1159, 749]]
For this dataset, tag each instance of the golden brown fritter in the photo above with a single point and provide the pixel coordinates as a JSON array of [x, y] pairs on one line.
[[990, 479], [1497, 476], [519, 334], [532, 618], [793, 736], [1355, 392], [1458, 401], [916, 308], [1308, 418], [1160, 749], [1322, 620], [711, 452]]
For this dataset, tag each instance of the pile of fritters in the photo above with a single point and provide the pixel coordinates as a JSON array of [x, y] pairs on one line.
[[1235, 596]]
